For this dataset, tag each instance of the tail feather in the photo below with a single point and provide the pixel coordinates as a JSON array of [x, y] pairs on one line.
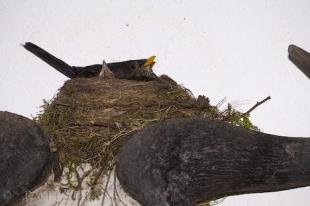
[[58, 64]]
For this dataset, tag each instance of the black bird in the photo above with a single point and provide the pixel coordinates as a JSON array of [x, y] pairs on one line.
[[139, 69]]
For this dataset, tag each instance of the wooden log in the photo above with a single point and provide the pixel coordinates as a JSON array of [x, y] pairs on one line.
[[300, 58], [25, 157], [184, 161]]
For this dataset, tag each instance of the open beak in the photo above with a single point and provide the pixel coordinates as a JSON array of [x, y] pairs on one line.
[[149, 62]]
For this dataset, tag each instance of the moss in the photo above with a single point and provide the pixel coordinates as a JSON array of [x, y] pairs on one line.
[[239, 119], [53, 117], [90, 119]]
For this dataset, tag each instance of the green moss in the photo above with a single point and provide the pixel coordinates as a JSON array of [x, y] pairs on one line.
[[53, 117], [239, 119]]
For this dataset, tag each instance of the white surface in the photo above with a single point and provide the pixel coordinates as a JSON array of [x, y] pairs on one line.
[[234, 49]]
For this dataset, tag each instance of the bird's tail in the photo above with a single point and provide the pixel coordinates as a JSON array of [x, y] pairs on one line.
[[58, 64]]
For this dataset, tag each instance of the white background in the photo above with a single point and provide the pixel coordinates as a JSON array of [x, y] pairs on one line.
[[234, 49]]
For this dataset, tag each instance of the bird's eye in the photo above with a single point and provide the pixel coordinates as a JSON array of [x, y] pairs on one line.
[[133, 66]]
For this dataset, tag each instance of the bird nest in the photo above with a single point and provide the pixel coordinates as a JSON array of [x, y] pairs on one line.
[[91, 118]]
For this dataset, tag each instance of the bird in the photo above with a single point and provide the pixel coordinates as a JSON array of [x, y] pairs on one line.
[[138, 69]]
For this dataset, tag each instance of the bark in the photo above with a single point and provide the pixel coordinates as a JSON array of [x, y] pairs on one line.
[[183, 161], [25, 157]]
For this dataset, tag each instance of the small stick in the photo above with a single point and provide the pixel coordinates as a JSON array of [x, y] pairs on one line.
[[105, 189], [62, 104], [256, 105], [221, 102]]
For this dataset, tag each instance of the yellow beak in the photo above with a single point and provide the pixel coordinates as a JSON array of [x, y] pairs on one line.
[[149, 62]]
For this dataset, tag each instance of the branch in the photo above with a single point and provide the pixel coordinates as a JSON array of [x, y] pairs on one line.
[[256, 105]]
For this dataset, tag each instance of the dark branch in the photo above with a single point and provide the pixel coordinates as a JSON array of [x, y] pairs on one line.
[[256, 105]]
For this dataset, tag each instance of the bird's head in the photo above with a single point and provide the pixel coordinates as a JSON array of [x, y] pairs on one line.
[[145, 71], [138, 69]]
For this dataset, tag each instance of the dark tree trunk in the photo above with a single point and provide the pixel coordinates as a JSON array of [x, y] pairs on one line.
[[25, 157], [183, 161]]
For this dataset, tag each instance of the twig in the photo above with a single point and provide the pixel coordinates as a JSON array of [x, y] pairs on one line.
[[79, 197], [62, 104], [97, 176], [105, 189], [80, 179], [256, 105], [76, 125], [116, 192], [221, 102]]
